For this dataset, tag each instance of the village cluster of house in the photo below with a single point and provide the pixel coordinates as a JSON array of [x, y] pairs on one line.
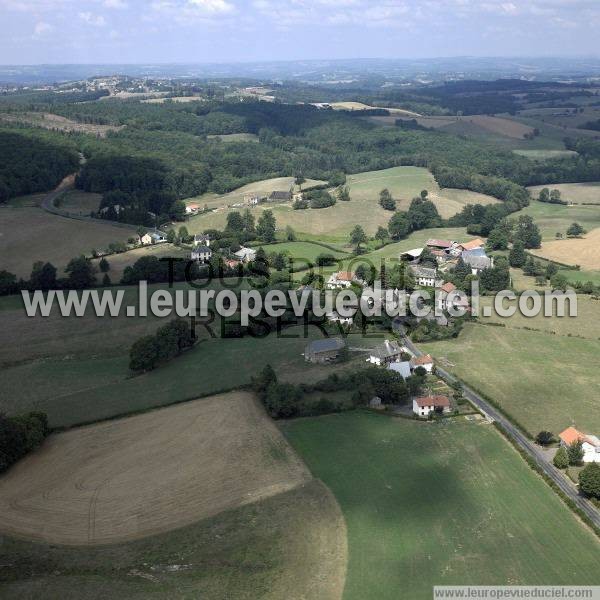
[[447, 254], [590, 444], [390, 355], [201, 250]]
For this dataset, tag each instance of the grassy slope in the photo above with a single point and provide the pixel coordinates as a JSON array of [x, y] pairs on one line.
[[444, 504], [289, 546], [544, 381], [553, 218], [334, 224], [88, 389], [29, 234]]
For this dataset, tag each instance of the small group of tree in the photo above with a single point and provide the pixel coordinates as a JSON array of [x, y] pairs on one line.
[[319, 199], [575, 230], [544, 438], [358, 237], [169, 341], [343, 194], [284, 400], [386, 201], [19, 435], [571, 455], [589, 480], [422, 214], [81, 274], [551, 196]]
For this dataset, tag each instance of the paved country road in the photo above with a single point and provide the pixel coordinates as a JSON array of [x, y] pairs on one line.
[[523, 442]]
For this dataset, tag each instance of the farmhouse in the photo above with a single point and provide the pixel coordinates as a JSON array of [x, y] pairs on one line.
[[340, 280], [153, 237], [202, 239], [400, 367], [192, 208], [324, 351], [280, 196], [386, 353], [246, 254], [590, 443], [424, 361], [251, 200], [472, 244], [201, 253], [425, 405], [424, 276]]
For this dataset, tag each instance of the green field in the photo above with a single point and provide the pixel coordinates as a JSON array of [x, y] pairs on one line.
[[440, 504], [556, 218], [78, 203], [334, 224], [28, 234], [76, 370], [282, 547], [303, 253], [543, 381]]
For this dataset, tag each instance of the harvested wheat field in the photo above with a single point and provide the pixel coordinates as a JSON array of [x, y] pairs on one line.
[[577, 251], [147, 474]]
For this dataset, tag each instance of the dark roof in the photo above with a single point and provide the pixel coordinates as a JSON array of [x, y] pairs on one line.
[[424, 271], [478, 262], [325, 345], [201, 249], [387, 350], [280, 196]]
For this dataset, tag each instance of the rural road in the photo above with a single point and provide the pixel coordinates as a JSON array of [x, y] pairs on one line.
[[67, 183], [523, 442]]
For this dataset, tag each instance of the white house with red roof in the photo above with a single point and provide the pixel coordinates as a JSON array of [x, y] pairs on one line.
[[425, 405], [424, 361], [340, 280], [590, 444]]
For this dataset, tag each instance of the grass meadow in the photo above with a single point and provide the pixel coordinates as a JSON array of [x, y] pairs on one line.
[[28, 234], [543, 380], [333, 224], [449, 503]]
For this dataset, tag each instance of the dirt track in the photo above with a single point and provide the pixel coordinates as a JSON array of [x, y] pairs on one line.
[[135, 477]]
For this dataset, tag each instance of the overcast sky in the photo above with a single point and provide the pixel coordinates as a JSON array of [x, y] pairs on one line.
[[136, 31]]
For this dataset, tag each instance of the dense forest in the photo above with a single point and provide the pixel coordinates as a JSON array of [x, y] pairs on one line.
[[33, 161], [164, 152]]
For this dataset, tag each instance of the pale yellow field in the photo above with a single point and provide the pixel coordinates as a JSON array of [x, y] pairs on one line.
[[336, 222], [584, 251], [143, 475], [361, 106], [575, 193], [118, 262], [261, 188]]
